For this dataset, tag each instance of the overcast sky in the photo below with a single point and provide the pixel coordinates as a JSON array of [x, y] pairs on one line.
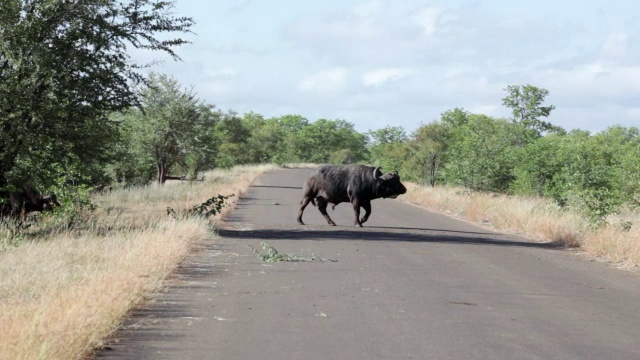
[[378, 63]]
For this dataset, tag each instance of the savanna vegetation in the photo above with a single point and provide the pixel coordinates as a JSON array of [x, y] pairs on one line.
[[78, 114]]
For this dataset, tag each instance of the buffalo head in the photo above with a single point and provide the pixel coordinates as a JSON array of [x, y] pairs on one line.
[[388, 185]]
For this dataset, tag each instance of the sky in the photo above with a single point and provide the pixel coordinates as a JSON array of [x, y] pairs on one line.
[[402, 63]]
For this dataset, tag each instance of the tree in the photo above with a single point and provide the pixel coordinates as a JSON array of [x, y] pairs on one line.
[[234, 134], [625, 172], [455, 117], [388, 147], [593, 174], [430, 143], [525, 102], [64, 67], [538, 166], [481, 153], [172, 130], [325, 140], [386, 135], [292, 149]]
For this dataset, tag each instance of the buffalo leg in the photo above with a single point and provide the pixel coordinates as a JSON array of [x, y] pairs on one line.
[[322, 206], [367, 211], [303, 204], [356, 210]]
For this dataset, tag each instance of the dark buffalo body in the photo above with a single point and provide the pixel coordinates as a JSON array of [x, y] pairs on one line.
[[356, 184], [25, 201]]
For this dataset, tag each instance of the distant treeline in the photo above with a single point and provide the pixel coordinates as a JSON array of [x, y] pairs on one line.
[[594, 174], [76, 113], [173, 133]]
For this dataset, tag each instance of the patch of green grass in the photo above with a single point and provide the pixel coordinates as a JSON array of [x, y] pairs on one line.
[[272, 255]]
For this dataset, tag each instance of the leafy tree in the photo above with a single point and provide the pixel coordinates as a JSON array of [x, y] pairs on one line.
[[525, 102], [625, 174], [455, 117], [292, 148], [538, 166], [324, 140], [64, 67], [584, 182], [388, 147], [481, 153], [233, 134], [387, 135], [593, 174], [171, 130], [430, 143], [261, 142]]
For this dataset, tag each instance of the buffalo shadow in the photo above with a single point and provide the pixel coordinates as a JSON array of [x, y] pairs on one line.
[[401, 235]]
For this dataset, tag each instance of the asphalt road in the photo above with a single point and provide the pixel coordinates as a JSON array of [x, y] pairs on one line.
[[411, 284]]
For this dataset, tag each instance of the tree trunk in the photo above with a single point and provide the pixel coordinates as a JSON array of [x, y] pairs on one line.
[[163, 170], [433, 169]]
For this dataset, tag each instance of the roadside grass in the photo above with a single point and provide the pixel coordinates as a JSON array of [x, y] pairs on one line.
[[538, 218], [64, 288]]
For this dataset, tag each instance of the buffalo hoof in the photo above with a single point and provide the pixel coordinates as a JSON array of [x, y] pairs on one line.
[[332, 223], [300, 222]]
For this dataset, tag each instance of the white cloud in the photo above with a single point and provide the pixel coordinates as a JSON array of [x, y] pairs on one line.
[[326, 81], [595, 81], [381, 76], [427, 19], [616, 46], [444, 55], [634, 113], [219, 73], [213, 88], [367, 9], [486, 109]]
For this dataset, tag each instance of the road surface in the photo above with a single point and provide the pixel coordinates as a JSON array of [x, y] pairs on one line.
[[411, 284]]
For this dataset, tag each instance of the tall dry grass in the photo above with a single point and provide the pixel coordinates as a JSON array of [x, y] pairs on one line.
[[537, 218], [61, 293]]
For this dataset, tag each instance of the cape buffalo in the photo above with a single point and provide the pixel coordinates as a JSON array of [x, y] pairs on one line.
[[357, 184], [26, 200]]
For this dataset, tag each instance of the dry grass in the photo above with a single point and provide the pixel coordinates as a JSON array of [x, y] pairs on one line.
[[301, 165], [65, 291], [536, 218]]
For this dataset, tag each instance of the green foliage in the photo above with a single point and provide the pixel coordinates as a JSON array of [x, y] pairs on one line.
[[481, 153], [171, 131], [388, 147], [211, 207], [12, 231], [233, 134], [272, 255], [290, 138], [76, 111], [593, 174], [318, 141], [64, 67], [525, 102], [427, 150], [626, 225], [537, 166]]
